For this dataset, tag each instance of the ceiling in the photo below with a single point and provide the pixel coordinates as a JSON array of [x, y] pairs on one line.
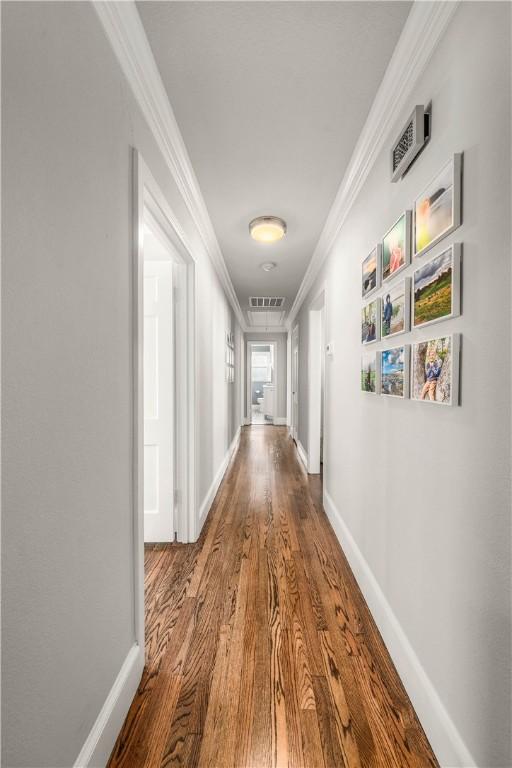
[[270, 98]]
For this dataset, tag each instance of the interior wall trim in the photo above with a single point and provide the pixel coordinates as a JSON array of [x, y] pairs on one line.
[[446, 741], [103, 734], [303, 455], [214, 487], [125, 32], [420, 36]]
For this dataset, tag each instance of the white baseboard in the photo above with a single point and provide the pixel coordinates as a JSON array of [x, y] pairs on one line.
[[303, 455], [214, 487], [446, 741], [247, 420], [102, 737]]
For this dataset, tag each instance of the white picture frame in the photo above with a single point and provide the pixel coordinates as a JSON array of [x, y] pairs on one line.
[[438, 264], [417, 349], [368, 356], [375, 253], [386, 244], [404, 351], [375, 300], [395, 290], [453, 170]]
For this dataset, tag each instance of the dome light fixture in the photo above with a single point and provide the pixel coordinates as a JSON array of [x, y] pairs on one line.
[[267, 229], [267, 266]]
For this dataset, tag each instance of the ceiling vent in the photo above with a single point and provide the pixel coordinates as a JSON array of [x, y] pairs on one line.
[[266, 302], [411, 140]]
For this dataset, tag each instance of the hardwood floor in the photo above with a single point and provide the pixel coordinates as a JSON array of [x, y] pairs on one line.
[[260, 648]]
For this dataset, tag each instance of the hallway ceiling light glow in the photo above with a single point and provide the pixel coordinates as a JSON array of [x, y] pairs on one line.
[[267, 229], [267, 266]]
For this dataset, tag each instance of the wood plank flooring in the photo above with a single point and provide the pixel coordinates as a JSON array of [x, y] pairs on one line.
[[260, 649]]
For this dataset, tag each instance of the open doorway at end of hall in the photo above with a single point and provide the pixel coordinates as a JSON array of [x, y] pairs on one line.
[[261, 395]]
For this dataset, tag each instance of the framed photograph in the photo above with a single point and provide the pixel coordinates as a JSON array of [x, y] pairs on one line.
[[370, 322], [396, 247], [396, 309], [435, 370], [370, 277], [394, 372], [370, 372], [437, 211], [436, 294]]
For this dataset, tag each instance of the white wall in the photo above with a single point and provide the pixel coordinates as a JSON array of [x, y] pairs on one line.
[[280, 368], [69, 123], [424, 491]]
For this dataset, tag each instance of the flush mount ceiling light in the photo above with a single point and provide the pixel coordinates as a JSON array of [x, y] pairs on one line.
[[267, 266], [267, 229]]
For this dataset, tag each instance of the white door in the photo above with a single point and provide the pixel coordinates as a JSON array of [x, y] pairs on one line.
[[158, 402], [295, 384]]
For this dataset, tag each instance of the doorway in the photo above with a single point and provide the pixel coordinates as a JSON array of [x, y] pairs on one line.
[[294, 417], [159, 396], [164, 380], [316, 379], [261, 377]]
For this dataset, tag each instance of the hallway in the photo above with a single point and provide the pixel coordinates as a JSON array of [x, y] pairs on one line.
[[260, 649]]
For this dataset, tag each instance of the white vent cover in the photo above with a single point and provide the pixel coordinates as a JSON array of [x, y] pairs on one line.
[[266, 319], [266, 302], [410, 141]]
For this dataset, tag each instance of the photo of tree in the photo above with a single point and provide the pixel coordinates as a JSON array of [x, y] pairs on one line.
[[394, 372], [436, 289], [369, 372], [434, 363]]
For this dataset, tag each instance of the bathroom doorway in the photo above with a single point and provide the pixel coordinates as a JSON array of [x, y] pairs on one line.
[[261, 394]]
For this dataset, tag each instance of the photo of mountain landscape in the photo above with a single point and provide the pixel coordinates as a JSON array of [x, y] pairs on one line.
[[436, 288]]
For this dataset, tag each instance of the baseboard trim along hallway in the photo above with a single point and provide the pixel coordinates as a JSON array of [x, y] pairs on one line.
[[260, 648], [214, 487], [447, 742], [98, 745]]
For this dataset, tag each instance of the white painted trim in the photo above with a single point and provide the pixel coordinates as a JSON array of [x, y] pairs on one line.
[[420, 35], [267, 329], [303, 454], [446, 741], [102, 737], [214, 487], [316, 351], [280, 421], [126, 34]]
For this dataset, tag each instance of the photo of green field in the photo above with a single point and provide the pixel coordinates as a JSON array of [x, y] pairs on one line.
[[433, 289]]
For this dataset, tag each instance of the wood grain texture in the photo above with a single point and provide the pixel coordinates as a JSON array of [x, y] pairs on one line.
[[260, 648]]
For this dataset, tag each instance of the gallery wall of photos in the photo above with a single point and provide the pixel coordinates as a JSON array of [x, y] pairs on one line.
[[230, 357], [409, 281]]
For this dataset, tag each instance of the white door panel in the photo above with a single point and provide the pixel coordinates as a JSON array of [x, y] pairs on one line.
[[158, 402]]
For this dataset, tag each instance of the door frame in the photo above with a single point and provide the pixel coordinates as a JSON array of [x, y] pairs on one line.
[[316, 349], [294, 423], [250, 344], [151, 207]]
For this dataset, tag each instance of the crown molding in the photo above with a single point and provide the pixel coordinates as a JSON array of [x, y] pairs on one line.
[[125, 32], [422, 31]]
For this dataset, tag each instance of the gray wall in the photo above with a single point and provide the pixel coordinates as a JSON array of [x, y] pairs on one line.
[[69, 122], [424, 491], [280, 366]]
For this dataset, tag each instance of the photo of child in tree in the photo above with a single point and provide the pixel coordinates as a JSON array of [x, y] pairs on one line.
[[432, 370]]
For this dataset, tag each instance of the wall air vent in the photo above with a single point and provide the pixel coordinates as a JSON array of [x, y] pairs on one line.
[[266, 302], [411, 140]]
